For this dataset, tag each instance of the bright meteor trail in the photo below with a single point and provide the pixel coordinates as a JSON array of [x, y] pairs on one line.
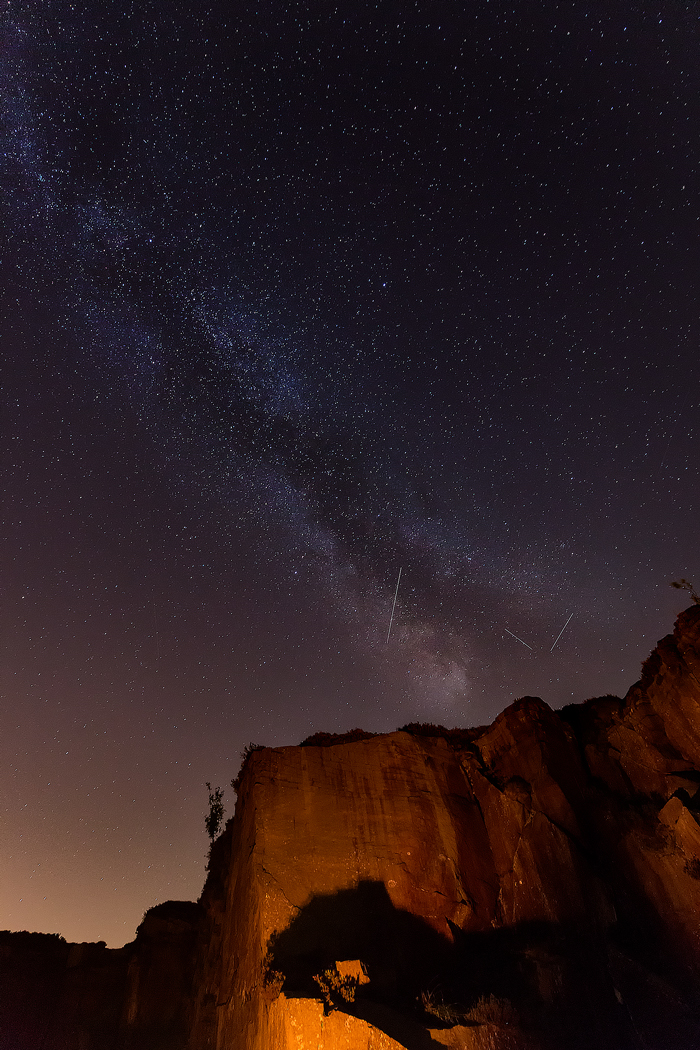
[[561, 632], [517, 639], [391, 619]]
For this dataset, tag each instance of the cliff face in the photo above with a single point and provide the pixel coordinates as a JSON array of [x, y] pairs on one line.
[[532, 884]]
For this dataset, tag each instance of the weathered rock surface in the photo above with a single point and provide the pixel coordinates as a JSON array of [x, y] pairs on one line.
[[531, 885]]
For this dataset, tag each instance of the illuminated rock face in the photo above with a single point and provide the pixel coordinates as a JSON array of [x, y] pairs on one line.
[[532, 884]]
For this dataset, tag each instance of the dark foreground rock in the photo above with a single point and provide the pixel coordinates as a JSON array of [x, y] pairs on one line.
[[60, 996], [532, 884]]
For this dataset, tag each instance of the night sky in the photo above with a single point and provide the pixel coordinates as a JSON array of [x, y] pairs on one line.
[[296, 296]]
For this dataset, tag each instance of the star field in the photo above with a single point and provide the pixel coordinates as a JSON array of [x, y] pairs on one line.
[[295, 297]]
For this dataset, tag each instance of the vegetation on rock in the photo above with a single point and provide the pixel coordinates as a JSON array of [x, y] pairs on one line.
[[215, 816], [335, 988], [686, 585]]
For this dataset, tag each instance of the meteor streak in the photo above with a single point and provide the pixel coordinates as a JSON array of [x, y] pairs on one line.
[[391, 620], [517, 639], [561, 633]]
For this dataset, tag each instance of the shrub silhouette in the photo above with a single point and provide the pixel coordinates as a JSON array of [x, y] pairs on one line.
[[686, 585], [215, 816]]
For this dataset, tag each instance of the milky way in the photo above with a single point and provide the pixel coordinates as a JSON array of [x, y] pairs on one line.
[[296, 297]]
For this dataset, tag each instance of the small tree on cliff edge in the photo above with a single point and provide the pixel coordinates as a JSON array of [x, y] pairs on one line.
[[685, 585], [215, 816]]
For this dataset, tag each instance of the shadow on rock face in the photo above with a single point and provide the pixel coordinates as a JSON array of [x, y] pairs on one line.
[[404, 956], [399, 950], [541, 979]]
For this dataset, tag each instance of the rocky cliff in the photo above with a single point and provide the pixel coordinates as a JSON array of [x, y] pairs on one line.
[[60, 996], [531, 884]]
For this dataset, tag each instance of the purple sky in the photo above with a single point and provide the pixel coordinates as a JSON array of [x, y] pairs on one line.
[[295, 296]]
